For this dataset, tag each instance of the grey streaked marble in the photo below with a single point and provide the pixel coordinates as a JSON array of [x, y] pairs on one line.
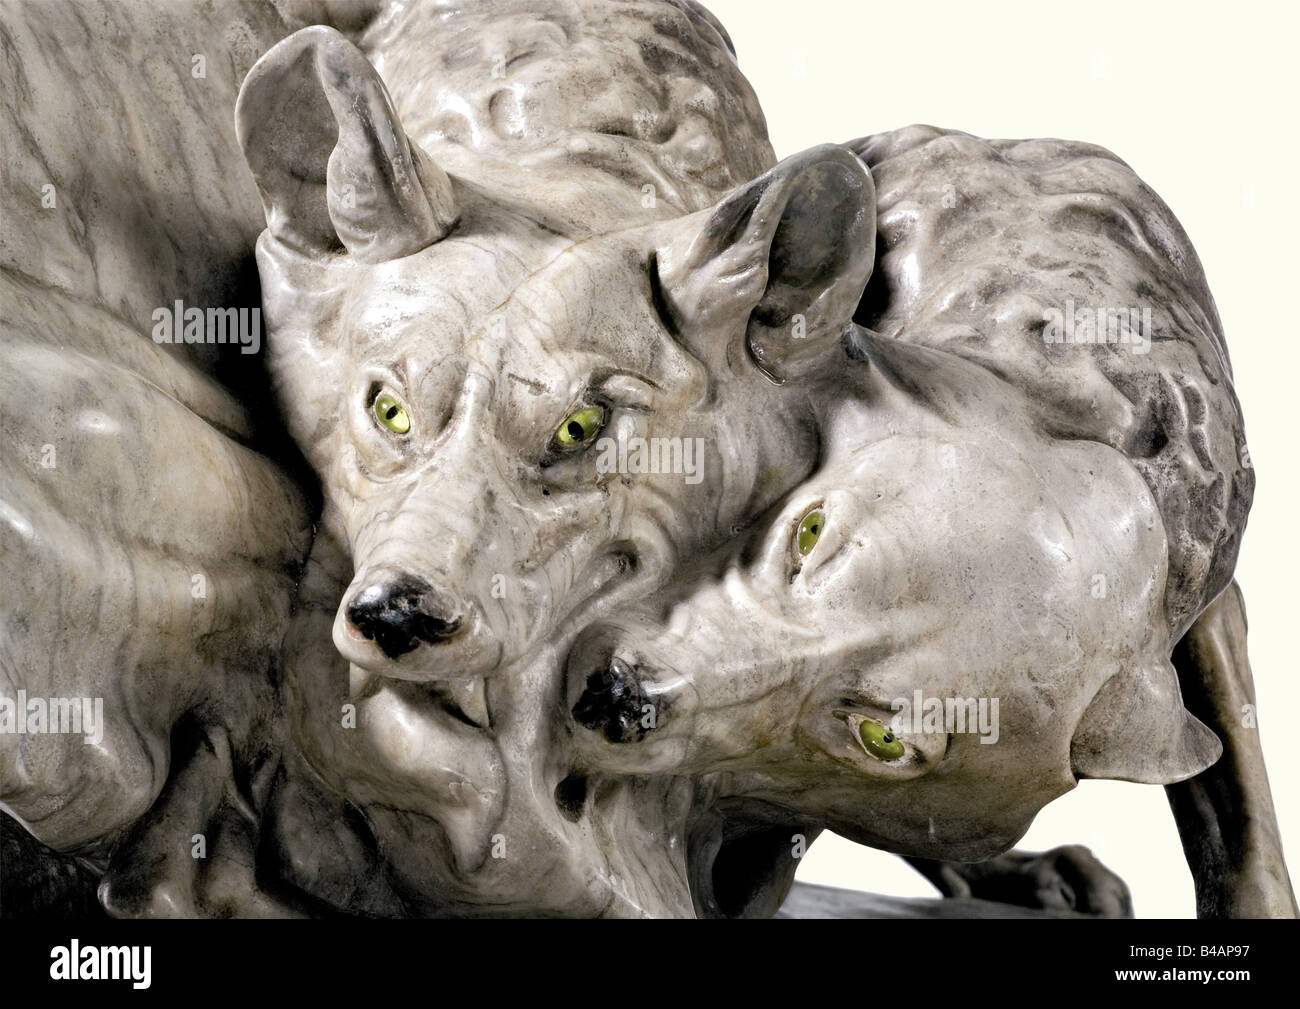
[[148, 545], [455, 653]]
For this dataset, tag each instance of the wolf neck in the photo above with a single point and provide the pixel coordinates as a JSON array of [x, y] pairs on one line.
[[886, 386]]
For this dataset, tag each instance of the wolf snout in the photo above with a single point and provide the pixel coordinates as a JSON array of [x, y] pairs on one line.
[[633, 714], [613, 702], [399, 612]]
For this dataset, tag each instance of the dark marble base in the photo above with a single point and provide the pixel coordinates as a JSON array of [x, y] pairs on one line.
[[807, 900]]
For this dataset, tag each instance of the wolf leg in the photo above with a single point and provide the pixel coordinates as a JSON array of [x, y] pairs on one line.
[[1068, 878], [1225, 814], [158, 871]]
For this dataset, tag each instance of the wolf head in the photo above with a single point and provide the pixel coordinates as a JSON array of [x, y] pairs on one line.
[[984, 600], [488, 401]]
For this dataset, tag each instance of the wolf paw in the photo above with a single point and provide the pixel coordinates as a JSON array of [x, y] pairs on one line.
[[1068, 878]]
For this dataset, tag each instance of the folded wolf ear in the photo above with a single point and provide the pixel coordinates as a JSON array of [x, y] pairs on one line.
[[788, 254], [331, 160], [1136, 729]]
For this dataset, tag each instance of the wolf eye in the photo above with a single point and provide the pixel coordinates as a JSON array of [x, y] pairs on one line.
[[390, 412], [873, 736], [580, 427], [879, 741], [810, 528]]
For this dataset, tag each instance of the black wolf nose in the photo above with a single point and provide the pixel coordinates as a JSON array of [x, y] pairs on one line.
[[398, 615], [613, 702]]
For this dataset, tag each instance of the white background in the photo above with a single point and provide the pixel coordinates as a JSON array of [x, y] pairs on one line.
[[1200, 100]]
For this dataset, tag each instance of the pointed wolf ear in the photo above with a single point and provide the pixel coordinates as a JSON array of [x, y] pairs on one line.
[[331, 159], [1136, 729], [788, 255]]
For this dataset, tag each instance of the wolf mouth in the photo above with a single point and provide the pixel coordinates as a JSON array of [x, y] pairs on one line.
[[464, 699]]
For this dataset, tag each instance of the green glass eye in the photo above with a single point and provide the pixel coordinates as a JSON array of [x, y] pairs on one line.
[[809, 529], [392, 414], [879, 741], [580, 427]]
